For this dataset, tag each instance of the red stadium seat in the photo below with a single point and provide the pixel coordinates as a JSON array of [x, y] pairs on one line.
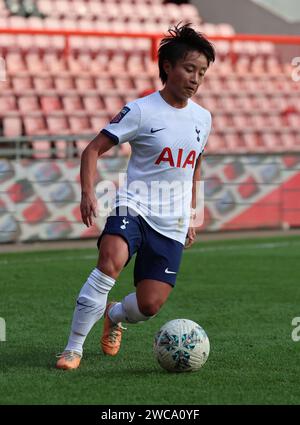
[[15, 62], [124, 83], [72, 102], [64, 82], [93, 103], [57, 123], [20, 84], [34, 63], [142, 83], [7, 103], [50, 103], [35, 124], [272, 141], [105, 83], [85, 83], [79, 123], [98, 121], [216, 143], [222, 121], [113, 103], [252, 142], [12, 126], [43, 83], [28, 103], [288, 141], [234, 142], [240, 121]]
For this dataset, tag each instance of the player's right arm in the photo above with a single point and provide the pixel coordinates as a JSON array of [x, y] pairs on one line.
[[88, 168], [122, 128]]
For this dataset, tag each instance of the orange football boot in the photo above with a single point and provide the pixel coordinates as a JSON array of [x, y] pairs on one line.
[[68, 360], [112, 334]]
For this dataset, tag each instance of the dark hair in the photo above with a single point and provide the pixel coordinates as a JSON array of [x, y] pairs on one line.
[[179, 43]]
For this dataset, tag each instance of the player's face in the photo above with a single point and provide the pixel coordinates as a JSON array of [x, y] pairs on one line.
[[187, 75]]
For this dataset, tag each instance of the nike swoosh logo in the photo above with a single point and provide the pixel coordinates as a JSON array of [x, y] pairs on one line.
[[169, 272], [155, 131]]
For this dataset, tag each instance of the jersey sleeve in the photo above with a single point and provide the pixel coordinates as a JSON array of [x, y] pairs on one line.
[[206, 133], [125, 125]]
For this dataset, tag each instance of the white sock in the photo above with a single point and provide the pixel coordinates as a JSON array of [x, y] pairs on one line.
[[127, 311], [90, 307]]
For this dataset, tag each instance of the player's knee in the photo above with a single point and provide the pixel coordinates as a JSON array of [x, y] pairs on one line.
[[109, 264], [149, 307]]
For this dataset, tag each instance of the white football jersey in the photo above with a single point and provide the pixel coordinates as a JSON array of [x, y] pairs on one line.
[[166, 143]]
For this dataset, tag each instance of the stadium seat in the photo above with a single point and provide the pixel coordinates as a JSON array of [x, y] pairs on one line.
[[28, 103], [64, 82], [12, 126], [15, 62], [113, 103], [123, 83], [34, 124], [105, 83], [84, 83], [43, 83], [79, 123], [288, 141], [92, 103], [272, 141], [50, 103], [98, 121], [72, 102], [7, 103], [22, 83], [252, 142], [34, 63], [240, 121], [57, 123]]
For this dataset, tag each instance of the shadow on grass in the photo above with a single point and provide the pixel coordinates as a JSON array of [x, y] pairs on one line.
[[40, 359]]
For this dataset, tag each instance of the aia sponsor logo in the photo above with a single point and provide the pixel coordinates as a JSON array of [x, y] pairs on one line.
[[177, 158]]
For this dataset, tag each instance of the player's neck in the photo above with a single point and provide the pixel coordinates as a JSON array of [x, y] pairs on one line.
[[172, 100]]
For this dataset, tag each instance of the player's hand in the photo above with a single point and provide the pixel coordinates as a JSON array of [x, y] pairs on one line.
[[88, 208], [190, 238]]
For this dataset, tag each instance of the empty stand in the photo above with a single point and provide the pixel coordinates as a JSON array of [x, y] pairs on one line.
[[249, 89]]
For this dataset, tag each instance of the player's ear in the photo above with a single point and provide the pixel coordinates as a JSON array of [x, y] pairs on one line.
[[167, 66]]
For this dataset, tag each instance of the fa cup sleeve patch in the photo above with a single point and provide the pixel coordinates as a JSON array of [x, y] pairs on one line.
[[120, 115]]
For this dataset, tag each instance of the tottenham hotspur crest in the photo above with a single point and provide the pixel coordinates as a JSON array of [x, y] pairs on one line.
[[198, 134], [125, 222]]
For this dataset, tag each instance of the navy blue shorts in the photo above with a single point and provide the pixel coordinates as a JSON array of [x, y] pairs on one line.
[[158, 257]]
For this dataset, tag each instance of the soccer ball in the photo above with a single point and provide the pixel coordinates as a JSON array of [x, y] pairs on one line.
[[181, 345]]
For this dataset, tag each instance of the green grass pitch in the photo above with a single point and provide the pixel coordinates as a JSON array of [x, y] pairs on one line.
[[244, 293]]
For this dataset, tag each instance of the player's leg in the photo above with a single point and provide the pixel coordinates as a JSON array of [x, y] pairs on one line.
[[156, 267], [151, 296], [92, 299], [143, 304]]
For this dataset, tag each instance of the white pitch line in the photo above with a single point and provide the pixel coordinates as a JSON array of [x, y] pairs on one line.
[[235, 247]]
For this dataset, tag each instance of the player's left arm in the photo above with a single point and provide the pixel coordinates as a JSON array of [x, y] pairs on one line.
[[191, 235]]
